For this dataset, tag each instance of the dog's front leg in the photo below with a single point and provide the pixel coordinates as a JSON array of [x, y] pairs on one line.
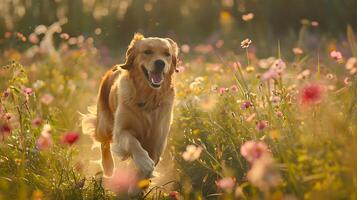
[[162, 130], [125, 143]]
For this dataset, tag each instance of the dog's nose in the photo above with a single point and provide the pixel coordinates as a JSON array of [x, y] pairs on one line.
[[159, 65]]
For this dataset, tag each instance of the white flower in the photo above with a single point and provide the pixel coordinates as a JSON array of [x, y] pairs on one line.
[[38, 84], [199, 79], [248, 17], [40, 29], [71, 85], [303, 75], [351, 62], [266, 63], [264, 173], [46, 130], [192, 153]]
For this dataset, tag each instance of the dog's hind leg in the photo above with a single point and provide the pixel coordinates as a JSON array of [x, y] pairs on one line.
[[104, 136], [107, 159]]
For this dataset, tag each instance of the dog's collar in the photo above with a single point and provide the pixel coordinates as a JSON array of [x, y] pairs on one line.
[[140, 104]]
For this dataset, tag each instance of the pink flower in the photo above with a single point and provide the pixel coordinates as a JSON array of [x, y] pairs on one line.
[[33, 38], [222, 90], [44, 142], [47, 99], [7, 93], [185, 48], [234, 88], [5, 131], [253, 150], [279, 114], [336, 55], [311, 94], [275, 99], [236, 65], [204, 49], [246, 105], [347, 80], [70, 138], [278, 66], [36, 122], [28, 91], [122, 181], [262, 125], [270, 74], [219, 44], [174, 195], [226, 183], [12, 120], [314, 23]]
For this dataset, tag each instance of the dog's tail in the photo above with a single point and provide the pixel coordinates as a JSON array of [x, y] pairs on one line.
[[89, 121]]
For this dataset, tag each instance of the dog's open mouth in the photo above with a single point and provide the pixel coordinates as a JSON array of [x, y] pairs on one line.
[[155, 78]]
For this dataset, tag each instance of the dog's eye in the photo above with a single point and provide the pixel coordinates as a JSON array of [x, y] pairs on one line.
[[148, 52], [167, 54]]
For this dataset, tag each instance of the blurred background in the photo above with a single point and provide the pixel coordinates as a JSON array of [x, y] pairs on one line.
[[112, 23]]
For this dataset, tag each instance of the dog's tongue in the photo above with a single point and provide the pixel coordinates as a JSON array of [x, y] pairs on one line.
[[155, 78]]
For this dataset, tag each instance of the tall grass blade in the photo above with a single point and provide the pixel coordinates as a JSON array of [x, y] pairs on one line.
[[351, 40]]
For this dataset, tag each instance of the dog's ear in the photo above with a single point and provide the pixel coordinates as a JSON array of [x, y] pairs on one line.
[[175, 51], [130, 53]]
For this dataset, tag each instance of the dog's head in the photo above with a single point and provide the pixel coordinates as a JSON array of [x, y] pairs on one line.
[[155, 58]]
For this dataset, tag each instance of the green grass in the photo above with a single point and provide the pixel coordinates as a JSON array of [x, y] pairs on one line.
[[313, 146]]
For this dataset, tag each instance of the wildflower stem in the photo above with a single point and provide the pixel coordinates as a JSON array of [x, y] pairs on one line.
[[279, 51], [247, 54], [318, 66]]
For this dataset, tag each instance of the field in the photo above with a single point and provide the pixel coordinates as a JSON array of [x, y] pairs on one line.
[[245, 127]]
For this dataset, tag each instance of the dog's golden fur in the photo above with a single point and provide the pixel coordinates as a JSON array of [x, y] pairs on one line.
[[133, 118]]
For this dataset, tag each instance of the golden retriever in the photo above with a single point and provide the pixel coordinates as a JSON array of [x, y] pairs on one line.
[[134, 105]]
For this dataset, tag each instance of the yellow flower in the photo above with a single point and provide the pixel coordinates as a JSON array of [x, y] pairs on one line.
[[37, 195], [196, 131], [274, 134], [225, 17], [250, 69], [143, 184], [18, 161]]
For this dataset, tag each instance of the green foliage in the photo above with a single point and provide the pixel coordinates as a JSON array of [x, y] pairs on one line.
[[313, 145], [26, 171], [220, 106]]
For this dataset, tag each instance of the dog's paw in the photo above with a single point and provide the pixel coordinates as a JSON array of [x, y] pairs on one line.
[[145, 164]]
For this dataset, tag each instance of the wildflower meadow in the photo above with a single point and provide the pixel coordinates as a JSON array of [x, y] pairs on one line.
[[255, 117]]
